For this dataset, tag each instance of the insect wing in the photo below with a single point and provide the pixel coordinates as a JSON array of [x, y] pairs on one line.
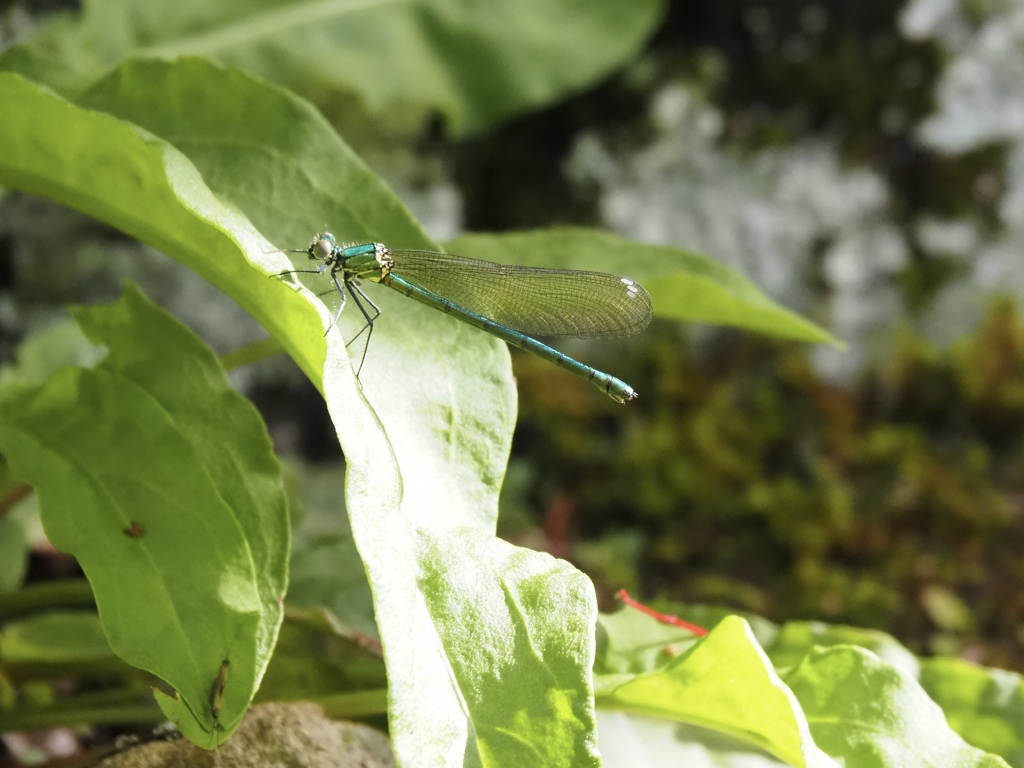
[[531, 300]]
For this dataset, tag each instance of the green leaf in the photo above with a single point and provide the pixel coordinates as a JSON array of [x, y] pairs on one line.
[[36, 358], [683, 285], [795, 639], [518, 627], [42, 353], [630, 642], [56, 637], [985, 706], [113, 171], [724, 683], [872, 713], [160, 479], [474, 62]]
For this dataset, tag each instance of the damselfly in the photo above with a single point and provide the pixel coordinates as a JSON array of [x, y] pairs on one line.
[[511, 302]]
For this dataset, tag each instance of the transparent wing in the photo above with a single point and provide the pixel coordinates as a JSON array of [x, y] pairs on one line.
[[531, 300]]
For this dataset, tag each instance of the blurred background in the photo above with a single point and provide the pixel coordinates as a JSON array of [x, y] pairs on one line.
[[863, 162]]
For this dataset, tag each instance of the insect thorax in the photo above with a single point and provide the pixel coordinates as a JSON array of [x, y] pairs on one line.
[[383, 256]]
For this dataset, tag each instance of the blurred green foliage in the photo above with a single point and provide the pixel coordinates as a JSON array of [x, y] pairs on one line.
[[741, 477]]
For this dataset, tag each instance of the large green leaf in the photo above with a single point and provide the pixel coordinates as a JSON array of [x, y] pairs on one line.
[[875, 714], [985, 706], [795, 639], [476, 62], [683, 285], [723, 683], [160, 479], [859, 708], [487, 596]]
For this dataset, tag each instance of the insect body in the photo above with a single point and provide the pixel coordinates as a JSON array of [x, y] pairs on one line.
[[513, 303]]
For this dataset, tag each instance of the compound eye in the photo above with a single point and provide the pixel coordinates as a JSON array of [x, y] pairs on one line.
[[322, 248]]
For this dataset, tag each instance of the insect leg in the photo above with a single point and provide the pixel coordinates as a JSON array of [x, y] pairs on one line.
[[341, 292], [357, 292]]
